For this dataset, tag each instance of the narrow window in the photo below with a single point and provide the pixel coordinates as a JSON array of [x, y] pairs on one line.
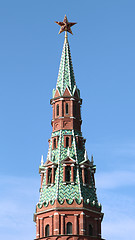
[[66, 108], [69, 228], [68, 170], [75, 110], [49, 175], [57, 109], [90, 230], [54, 174], [86, 175], [79, 143], [47, 230], [67, 141], [54, 143]]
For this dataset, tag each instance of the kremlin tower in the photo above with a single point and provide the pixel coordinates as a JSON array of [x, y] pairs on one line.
[[68, 207]]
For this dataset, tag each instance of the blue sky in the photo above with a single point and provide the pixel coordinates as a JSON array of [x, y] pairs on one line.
[[103, 55]]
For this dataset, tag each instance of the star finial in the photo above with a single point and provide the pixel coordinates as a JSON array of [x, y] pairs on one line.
[[65, 25]]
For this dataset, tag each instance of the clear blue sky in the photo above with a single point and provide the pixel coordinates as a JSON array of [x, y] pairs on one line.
[[103, 55]]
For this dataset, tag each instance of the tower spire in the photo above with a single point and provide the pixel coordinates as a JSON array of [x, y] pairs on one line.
[[68, 203], [66, 77]]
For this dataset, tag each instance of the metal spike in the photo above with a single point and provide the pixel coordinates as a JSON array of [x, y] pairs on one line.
[[42, 161], [92, 158], [85, 155]]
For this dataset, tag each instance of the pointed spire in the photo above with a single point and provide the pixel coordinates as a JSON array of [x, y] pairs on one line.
[[66, 77], [42, 161], [66, 74], [92, 158], [85, 155]]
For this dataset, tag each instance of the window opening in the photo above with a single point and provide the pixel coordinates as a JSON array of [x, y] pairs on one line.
[[69, 228], [86, 175], [47, 230], [68, 170], [79, 143], [54, 174], [54, 143], [57, 109], [90, 230], [66, 108], [49, 175], [67, 141], [75, 110]]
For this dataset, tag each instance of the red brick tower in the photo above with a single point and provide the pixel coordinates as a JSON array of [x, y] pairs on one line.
[[68, 207]]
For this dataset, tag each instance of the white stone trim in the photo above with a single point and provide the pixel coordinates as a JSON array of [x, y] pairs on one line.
[[56, 213], [82, 213], [72, 99]]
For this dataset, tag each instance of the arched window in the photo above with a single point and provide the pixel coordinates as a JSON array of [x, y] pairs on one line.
[[68, 170], [57, 109], [69, 228], [66, 108], [54, 143], [49, 175], [67, 141], [47, 230], [90, 230]]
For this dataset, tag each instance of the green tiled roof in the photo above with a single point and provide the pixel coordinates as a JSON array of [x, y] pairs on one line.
[[59, 190], [66, 74]]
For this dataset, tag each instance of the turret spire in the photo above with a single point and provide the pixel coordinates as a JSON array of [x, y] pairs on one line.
[[42, 161], [66, 77], [68, 203]]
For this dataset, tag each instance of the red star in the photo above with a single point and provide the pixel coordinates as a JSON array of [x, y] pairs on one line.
[[65, 25]]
